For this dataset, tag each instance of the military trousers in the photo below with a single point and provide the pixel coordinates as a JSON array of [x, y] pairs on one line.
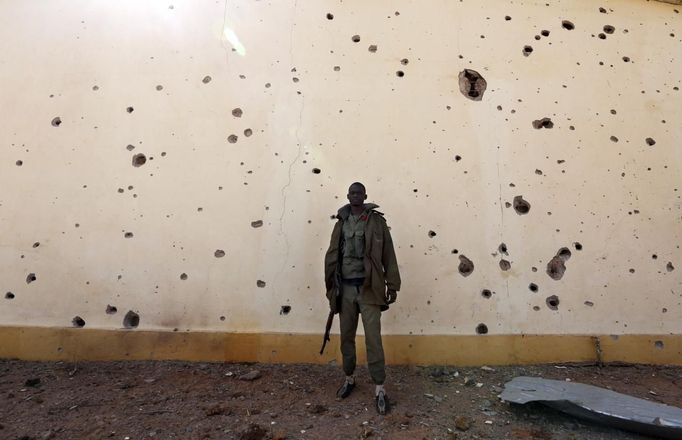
[[351, 309]]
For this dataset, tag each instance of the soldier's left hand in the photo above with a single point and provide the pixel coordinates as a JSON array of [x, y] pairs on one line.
[[391, 296]]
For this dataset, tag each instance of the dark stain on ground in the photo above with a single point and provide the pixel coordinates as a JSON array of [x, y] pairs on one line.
[[472, 85], [466, 266]]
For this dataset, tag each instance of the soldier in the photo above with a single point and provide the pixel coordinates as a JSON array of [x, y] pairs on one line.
[[362, 278]]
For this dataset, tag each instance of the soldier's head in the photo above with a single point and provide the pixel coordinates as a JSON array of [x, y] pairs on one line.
[[357, 194]]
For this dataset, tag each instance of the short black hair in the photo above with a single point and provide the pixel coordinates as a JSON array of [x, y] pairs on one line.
[[358, 183]]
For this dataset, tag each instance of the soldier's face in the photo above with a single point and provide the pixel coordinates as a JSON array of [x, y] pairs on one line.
[[356, 195]]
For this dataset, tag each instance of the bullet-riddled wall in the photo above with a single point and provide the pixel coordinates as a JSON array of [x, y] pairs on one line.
[[174, 167]]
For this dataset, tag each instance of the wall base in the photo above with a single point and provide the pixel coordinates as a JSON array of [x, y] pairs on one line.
[[71, 344]]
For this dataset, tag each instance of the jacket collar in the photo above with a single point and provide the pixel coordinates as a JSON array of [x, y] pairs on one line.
[[344, 211]]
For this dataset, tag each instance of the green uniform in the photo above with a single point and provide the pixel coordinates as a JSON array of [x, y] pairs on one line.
[[368, 265]]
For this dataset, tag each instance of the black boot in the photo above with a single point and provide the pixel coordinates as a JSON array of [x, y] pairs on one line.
[[345, 390], [382, 403]]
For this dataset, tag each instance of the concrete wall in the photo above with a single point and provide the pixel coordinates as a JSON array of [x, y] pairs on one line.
[[251, 112]]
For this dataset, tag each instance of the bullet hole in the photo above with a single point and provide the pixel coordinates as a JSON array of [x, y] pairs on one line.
[[458, 158], [355, 38], [206, 80], [538, 172], [502, 248], [257, 224], [337, 68], [159, 88], [507, 18], [632, 270], [111, 309], [543, 123], [485, 293], [128, 235], [521, 206], [237, 112], [219, 253], [222, 318], [19, 163], [602, 10], [567, 25], [330, 16], [130, 109], [552, 302], [602, 36], [131, 320], [32, 277], [609, 29], [481, 329], [466, 266], [669, 267], [284, 310], [432, 234], [527, 50], [564, 253], [77, 321], [316, 171], [232, 139], [260, 283], [139, 160], [589, 303], [95, 88], [507, 205], [533, 287], [613, 139], [56, 121], [399, 73], [472, 84], [505, 265], [454, 251], [654, 256], [536, 308], [130, 147], [372, 48], [9, 295], [404, 61], [545, 33], [183, 276], [626, 59], [534, 269], [556, 268], [578, 246], [650, 142], [658, 344]]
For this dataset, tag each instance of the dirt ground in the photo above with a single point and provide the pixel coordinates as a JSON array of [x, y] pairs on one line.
[[136, 400]]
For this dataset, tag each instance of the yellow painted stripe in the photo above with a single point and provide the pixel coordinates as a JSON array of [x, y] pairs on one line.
[[71, 344]]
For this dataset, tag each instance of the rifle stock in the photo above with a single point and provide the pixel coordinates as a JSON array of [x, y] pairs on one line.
[[327, 329]]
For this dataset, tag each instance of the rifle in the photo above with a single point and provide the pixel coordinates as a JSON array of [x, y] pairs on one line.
[[327, 329]]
